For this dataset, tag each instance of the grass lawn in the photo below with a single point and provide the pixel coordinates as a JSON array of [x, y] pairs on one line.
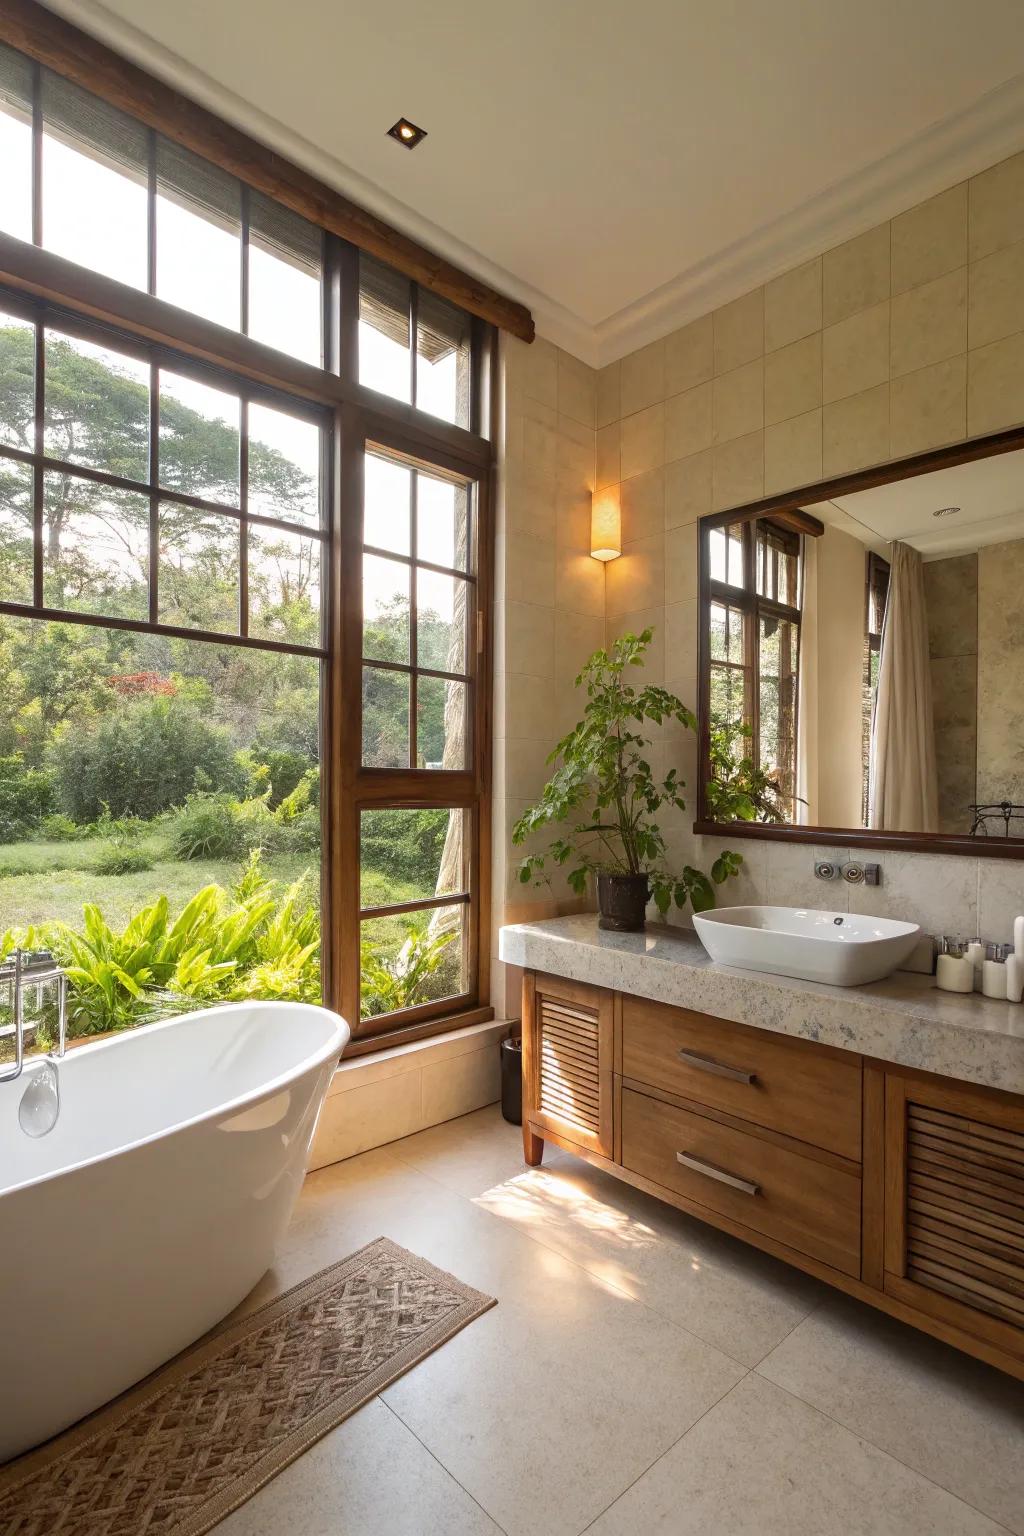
[[60, 879]]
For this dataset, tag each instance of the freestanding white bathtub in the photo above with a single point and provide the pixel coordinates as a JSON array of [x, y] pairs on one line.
[[155, 1203]]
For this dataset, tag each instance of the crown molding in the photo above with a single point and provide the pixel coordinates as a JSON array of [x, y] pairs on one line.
[[944, 154]]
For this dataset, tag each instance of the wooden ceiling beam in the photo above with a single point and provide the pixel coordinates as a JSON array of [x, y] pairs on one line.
[[77, 56]]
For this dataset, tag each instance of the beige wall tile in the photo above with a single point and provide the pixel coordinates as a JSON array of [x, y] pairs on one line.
[[526, 767], [652, 668], [855, 353], [528, 706], [681, 564], [608, 455], [739, 331], [996, 202], [572, 520], [738, 402], [529, 639], [792, 453], [637, 578], [642, 500], [792, 305], [687, 489], [579, 582], [681, 649], [642, 441], [577, 637], [535, 369], [459, 1086], [855, 275], [689, 356], [930, 323], [855, 431], [529, 569], [930, 239], [792, 379], [996, 296], [642, 378], [929, 407], [368, 1116], [737, 472], [577, 390], [688, 419], [995, 386], [609, 403]]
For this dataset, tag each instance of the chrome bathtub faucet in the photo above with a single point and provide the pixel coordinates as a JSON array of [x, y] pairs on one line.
[[40, 1103]]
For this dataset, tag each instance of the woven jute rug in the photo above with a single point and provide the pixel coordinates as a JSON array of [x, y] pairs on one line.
[[197, 1438]]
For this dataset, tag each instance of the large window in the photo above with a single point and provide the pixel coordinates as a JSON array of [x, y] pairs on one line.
[[751, 620], [242, 614]]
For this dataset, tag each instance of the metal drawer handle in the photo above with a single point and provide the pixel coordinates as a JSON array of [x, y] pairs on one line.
[[718, 1068], [747, 1186]]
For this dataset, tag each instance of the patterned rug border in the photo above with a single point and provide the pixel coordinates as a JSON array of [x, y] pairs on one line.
[[105, 1420]]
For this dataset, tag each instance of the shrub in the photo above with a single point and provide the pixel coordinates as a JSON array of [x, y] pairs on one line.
[[26, 796], [60, 829], [405, 845], [125, 854], [285, 770], [388, 984], [144, 759], [208, 827]]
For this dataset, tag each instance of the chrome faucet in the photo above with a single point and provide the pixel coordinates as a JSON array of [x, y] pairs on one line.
[[32, 968]]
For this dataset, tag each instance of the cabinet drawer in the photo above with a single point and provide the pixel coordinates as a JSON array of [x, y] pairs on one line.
[[809, 1206], [804, 1091]]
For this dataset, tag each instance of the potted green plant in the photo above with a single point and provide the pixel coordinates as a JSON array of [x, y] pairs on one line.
[[603, 787]]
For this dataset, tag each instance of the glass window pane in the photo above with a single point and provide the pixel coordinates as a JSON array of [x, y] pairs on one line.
[[777, 657], [198, 578], [95, 548], [441, 607], [387, 502], [170, 733], [15, 144], [443, 356], [442, 522], [95, 183], [284, 585], [199, 439], [726, 552], [284, 465], [441, 724], [417, 958], [385, 609], [97, 407], [198, 235], [385, 718], [285, 267], [15, 533], [18, 372], [384, 302], [412, 855]]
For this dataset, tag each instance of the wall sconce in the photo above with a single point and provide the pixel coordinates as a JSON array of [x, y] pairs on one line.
[[606, 524]]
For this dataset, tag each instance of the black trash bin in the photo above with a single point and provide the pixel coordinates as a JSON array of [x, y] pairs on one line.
[[512, 1079]]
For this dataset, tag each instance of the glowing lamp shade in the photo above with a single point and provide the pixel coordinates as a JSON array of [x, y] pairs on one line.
[[606, 524]]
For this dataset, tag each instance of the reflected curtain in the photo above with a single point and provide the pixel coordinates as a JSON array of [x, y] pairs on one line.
[[904, 792]]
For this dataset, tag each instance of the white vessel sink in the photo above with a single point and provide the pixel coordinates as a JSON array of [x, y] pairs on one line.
[[842, 948]]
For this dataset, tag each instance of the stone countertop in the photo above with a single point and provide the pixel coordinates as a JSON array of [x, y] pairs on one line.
[[904, 1019]]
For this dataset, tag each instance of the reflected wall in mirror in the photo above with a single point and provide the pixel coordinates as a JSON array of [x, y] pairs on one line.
[[862, 655]]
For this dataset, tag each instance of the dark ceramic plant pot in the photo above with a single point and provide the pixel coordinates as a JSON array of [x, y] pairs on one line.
[[622, 901]]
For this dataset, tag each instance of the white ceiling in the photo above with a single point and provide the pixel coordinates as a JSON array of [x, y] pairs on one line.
[[989, 493], [620, 167]]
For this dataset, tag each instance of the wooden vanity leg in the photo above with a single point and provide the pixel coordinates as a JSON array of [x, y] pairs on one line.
[[533, 1147]]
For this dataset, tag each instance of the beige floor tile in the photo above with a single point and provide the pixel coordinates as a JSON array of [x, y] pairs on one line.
[[951, 1418], [742, 1301], [470, 1155], [762, 1463], [368, 1477]]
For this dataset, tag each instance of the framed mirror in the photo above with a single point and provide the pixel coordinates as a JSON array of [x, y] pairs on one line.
[[861, 658]]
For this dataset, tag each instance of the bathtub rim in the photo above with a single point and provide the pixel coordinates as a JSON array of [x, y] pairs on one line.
[[339, 1038]]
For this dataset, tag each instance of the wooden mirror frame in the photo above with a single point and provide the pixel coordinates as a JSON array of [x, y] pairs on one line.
[[787, 507]]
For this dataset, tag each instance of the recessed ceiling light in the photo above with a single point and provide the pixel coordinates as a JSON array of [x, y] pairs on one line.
[[407, 133], [945, 511]]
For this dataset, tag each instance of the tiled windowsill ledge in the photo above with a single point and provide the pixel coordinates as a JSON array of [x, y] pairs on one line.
[[380, 1098]]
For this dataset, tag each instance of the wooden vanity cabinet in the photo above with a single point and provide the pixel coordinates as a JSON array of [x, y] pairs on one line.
[[902, 1189]]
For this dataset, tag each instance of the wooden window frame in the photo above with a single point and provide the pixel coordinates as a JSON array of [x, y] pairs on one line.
[[754, 607], [36, 284]]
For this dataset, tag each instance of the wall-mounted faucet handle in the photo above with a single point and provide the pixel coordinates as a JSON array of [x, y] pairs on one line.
[[825, 869], [855, 873]]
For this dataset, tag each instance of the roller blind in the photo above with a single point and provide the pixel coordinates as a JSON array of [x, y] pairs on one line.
[[93, 127]]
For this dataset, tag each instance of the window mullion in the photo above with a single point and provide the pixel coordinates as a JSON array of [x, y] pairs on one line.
[[154, 499], [243, 522]]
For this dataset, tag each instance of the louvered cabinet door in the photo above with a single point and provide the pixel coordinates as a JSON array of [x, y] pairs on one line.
[[955, 1206], [567, 1060]]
